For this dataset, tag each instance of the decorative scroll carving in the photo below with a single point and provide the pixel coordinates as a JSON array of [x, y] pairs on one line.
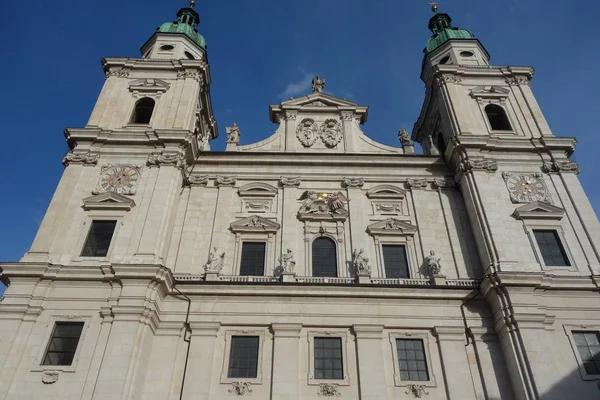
[[331, 133], [88, 158], [158, 159], [417, 183], [433, 264], [361, 263], [443, 183], [258, 205], [517, 80], [223, 180], [329, 390], [482, 164], [49, 377], [119, 72], [307, 132], [291, 115], [526, 188], [215, 261], [347, 115], [389, 208], [233, 134], [417, 390], [353, 182], [562, 166], [189, 74], [240, 388], [448, 78], [197, 180], [290, 181]]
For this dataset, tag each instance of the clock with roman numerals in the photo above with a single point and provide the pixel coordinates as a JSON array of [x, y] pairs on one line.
[[121, 179], [525, 188]]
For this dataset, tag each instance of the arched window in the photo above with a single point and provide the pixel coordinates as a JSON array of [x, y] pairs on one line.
[[324, 259], [497, 117], [143, 111]]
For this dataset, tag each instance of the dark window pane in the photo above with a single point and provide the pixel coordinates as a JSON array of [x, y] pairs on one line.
[[411, 360], [253, 259], [588, 346], [143, 111], [328, 358], [395, 262], [243, 357], [324, 259], [63, 343], [98, 239], [497, 117], [551, 248]]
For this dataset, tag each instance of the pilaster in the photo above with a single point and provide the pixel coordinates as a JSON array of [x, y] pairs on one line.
[[451, 342], [200, 363], [286, 357], [370, 361]]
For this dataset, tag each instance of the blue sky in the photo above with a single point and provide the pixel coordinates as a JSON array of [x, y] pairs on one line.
[[263, 51]]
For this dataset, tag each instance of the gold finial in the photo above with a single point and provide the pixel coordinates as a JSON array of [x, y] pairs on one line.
[[434, 6], [192, 3]]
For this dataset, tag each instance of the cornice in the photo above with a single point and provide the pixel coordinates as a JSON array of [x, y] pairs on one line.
[[537, 280]]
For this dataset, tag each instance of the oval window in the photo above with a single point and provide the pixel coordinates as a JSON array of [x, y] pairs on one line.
[[167, 47], [445, 60], [466, 54], [189, 55]]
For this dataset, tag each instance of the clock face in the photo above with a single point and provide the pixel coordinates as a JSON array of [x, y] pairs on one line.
[[119, 178], [526, 188]]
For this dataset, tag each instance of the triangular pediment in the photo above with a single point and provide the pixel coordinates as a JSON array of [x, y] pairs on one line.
[[254, 224], [108, 201], [386, 192], [257, 189], [489, 91], [319, 103], [539, 210], [149, 85], [391, 226], [319, 100]]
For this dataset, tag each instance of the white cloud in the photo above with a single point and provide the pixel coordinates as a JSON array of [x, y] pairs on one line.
[[301, 87]]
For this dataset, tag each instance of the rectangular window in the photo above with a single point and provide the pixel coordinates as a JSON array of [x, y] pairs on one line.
[[588, 346], [411, 360], [328, 358], [395, 261], [243, 357], [253, 259], [553, 252], [63, 343], [98, 238]]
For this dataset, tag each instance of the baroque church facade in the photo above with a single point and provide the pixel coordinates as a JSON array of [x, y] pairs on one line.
[[316, 263]]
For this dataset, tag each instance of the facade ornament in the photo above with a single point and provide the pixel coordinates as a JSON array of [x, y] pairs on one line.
[[331, 133], [517, 80], [258, 205], [189, 74], [392, 224], [404, 138], [417, 183], [49, 377], [119, 72], [118, 178], [223, 180], [287, 263], [255, 221], [443, 183], [561, 166], [322, 203], [197, 180], [353, 182], [447, 78], [318, 84], [233, 134], [291, 115], [389, 207], [361, 263], [430, 147], [417, 390], [526, 188], [158, 159], [215, 261], [307, 132], [329, 390], [290, 181], [347, 115], [433, 264], [240, 388], [88, 158]]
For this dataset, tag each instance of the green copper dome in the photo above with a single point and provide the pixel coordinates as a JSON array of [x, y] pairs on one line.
[[441, 26], [187, 20]]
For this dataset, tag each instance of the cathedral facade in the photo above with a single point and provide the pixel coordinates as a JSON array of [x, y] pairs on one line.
[[316, 263]]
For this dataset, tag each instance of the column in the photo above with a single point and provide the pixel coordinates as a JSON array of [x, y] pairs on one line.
[[455, 364], [370, 361], [199, 373], [286, 353]]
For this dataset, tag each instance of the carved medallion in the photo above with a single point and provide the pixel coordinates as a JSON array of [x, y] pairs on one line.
[[120, 178], [240, 388], [525, 188], [307, 132], [49, 377], [331, 133]]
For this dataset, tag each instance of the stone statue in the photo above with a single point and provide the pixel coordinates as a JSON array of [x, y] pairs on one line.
[[360, 262], [433, 264], [404, 138], [309, 203], [318, 84], [336, 205], [215, 261], [233, 134], [287, 262]]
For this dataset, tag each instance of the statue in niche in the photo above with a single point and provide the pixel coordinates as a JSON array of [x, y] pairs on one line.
[[361, 262], [215, 261], [433, 264], [318, 84], [233, 134]]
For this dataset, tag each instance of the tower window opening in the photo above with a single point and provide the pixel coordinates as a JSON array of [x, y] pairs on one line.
[[445, 60], [497, 117], [189, 55], [441, 143], [143, 111]]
